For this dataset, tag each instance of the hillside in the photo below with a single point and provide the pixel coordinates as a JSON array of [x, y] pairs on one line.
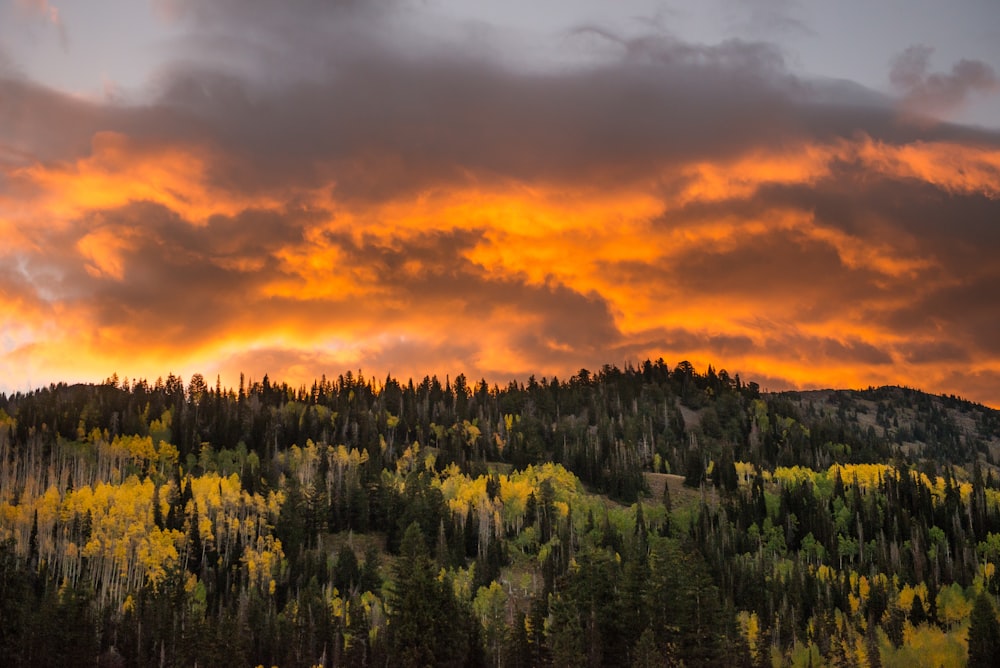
[[638, 516], [940, 427]]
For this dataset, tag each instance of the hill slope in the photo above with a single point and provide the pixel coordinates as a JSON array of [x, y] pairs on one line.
[[170, 524]]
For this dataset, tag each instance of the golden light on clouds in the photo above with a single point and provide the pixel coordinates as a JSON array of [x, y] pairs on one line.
[[423, 215], [351, 266], [118, 171]]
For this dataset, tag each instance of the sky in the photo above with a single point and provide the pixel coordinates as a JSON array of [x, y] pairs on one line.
[[803, 193]]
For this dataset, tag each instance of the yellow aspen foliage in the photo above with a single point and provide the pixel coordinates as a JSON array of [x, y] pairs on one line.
[[409, 460], [337, 608], [110, 524], [744, 471], [928, 645], [750, 628], [263, 561], [469, 431], [794, 475], [190, 582], [864, 588], [907, 593], [866, 475], [157, 553], [167, 454]]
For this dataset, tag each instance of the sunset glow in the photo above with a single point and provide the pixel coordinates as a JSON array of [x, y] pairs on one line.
[[408, 211]]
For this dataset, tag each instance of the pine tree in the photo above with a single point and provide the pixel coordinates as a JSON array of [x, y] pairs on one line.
[[645, 653], [194, 543], [346, 574], [33, 540], [411, 641], [566, 638], [370, 578], [984, 633], [157, 511], [427, 625]]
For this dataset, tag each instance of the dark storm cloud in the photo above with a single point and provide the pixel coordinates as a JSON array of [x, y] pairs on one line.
[[384, 125], [383, 119]]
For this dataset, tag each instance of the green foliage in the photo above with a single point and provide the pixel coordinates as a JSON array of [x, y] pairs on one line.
[[413, 605], [427, 626], [984, 633]]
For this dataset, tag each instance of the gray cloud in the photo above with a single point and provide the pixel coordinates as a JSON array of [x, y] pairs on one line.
[[937, 352], [767, 17], [379, 118], [7, 66], [939, 92]]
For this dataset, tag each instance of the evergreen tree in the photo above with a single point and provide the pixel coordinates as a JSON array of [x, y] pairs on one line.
[[427, 625], [645, 654], [412, 603], [194, 546], [370, 578], [346, 574], [566, 639], [984, 633]]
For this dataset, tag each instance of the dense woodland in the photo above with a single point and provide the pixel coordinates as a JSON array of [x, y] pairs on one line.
[[644, 516]]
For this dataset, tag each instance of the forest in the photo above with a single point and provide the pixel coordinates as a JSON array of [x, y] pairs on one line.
[[640, 516]]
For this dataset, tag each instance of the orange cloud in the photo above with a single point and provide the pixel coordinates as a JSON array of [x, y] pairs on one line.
[[104, 248], [141, 262], [956, 168], [119, 170]]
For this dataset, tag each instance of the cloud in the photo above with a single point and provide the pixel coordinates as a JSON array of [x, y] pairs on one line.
[[938, 92], [50, 14], [305, 193], [767, 17], [937, 352], [7, 67]]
